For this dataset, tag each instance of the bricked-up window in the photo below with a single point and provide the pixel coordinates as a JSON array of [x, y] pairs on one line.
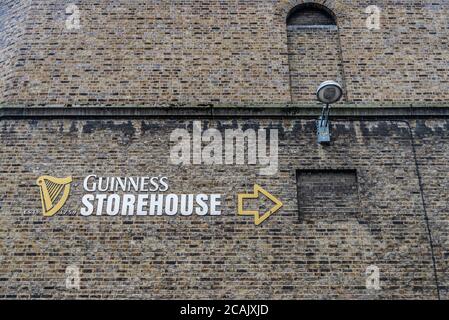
[[314, 50], [327, 194]]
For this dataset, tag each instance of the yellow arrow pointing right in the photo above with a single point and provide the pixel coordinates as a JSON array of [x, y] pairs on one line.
[[258, 218]]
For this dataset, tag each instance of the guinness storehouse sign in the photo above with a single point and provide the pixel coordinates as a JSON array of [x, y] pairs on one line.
[[141, 196], [126, 196]]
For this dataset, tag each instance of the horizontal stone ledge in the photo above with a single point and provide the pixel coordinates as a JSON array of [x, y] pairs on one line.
[[340, 111]]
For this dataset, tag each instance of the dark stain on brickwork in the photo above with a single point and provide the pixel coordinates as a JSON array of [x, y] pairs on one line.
[[33, 123], [73, 127], [339, 130], [422, 128], [383, 129], [126, 128], [154, 126]]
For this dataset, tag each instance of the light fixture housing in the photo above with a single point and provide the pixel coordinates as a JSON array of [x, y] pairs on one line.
[[329, 92]]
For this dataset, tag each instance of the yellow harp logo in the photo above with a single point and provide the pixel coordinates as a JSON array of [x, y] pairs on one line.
[[54, 193]]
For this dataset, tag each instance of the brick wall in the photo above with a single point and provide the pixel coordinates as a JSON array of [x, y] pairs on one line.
[[225, 256], [218, 52], [433, 157], [13, 16], [160, 52]]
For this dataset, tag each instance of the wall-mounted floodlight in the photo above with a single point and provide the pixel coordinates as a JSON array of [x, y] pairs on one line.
[[328, 92]]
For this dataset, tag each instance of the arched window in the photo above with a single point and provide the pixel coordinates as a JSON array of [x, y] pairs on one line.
[[314, 50]]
